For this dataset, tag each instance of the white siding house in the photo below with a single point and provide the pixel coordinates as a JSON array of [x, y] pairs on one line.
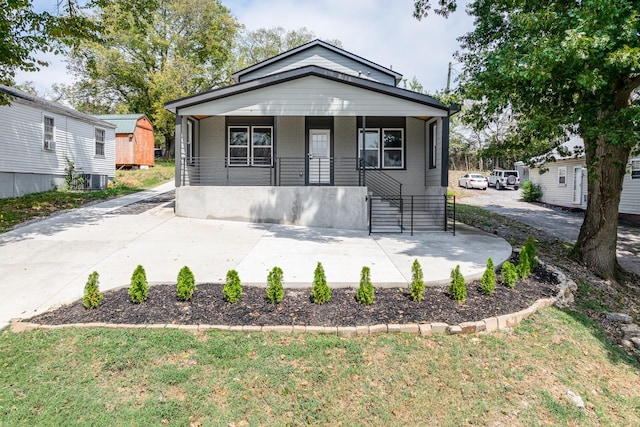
[[564, 182], [40, 138], [315, 136]]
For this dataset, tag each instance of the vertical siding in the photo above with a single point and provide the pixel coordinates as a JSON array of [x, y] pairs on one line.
[[290, 136], [124, 150], [143, 143], [345, 138]]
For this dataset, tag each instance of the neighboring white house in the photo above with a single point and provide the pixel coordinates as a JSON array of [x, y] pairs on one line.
[[564, 183], [285, 145], [40, 138]]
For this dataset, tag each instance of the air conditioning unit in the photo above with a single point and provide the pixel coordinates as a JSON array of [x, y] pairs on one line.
[[48, 145]]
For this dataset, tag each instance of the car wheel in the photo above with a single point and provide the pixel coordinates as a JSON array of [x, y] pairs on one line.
[[466, 185], [498, 187], [515, 188], [485, 188]]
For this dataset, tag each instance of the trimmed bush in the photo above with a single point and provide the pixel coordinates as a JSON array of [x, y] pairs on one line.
[[509, 274], [417, 282], [488, 281], [531, 192], [186, 284], [320, 291], [524, 265], [233, 287], [92, 297], [530, 247], [458, 288], [366, 291], [139, 289], [275, 290]]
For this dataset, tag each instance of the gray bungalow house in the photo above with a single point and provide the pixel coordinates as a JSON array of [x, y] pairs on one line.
[[315, 136]]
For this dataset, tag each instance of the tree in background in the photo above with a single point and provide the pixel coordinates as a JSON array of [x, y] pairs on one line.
[[562, 67]]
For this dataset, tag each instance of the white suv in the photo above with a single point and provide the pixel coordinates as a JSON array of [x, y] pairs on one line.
[[504, 179]]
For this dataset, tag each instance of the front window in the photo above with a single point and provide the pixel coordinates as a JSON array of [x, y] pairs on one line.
[[190, 152], [49, 133], [562, 176], [370, 152], [433, 150], [635, 168], [382, 148], [250, 145], [99, 142]]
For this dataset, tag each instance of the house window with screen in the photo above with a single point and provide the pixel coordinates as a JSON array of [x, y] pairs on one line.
[[382, 148], [433, 151], [99, 142], [250, 145], [635, 168], [562, 176], [49, 133]]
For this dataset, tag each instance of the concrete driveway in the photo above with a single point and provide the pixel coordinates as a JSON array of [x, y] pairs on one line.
[[46, 263], [561, 223]]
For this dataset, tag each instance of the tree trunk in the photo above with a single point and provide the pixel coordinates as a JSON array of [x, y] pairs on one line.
[[598, 237]]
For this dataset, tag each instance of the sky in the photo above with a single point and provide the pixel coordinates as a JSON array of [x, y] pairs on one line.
[[382, 31]]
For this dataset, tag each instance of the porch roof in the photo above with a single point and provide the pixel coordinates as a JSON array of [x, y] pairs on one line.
[[310, 90]]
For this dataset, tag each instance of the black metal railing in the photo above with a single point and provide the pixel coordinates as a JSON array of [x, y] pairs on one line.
[[294, 171], [389, 214]]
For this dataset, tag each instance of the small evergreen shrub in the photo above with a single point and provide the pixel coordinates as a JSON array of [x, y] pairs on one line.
[[233, 287], [458, 288], [366, 291], [139, 289], [531, 192], [186, 284], [275, 291], [320, 292], [92, 297], [524, 265], [530, 247], [509, 274], [488, 281], [417, 282]]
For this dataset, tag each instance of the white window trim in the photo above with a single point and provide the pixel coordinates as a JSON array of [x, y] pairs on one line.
[[361, 149], [97, 143], [562, 168], [189, 143], [383, 149], [48, 145], [636, 169], [250, 146]]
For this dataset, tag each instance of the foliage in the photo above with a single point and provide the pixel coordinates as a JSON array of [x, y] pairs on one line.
[[92, 296], [366, 291], [186, 285], [531, 192], [458, 287], [422, 8], [417, 282], [488, 281], [139, 288], [73, 177], [233, 287], [275, 290], [524, 265], [509, 274], [530, 247], [320, 291]]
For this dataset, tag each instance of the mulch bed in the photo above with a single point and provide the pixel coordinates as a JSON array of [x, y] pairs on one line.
[[390, 306]]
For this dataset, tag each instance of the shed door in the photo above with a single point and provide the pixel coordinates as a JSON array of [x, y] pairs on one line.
[[319, 156]]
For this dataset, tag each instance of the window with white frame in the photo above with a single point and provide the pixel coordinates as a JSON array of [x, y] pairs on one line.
[[635, 168], [382, 148], [49, 142], [433, 146], [99, 142], [189, 146], [562, 176], [250, 145]]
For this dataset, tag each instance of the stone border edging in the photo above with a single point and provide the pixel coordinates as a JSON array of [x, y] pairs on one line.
[[491, 324]]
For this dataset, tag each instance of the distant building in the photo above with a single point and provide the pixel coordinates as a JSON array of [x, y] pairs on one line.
[[134, 139]]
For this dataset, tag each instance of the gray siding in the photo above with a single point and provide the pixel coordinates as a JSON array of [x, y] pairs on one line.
[[321, 57]]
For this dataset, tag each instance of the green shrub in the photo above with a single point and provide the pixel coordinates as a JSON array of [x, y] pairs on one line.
[[275, 291], [417, 282], [139, 289], [320, 292], [530, 247], [186, 284], [531, 192], [233, 287], [524, 265], [488, 281], [92, 297], [366, 291], [458, 288], [509, 274]]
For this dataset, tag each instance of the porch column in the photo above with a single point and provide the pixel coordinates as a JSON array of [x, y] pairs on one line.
[[178, 150]]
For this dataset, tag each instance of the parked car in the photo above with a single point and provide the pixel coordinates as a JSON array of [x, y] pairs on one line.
[[504, 178], [473, 180]]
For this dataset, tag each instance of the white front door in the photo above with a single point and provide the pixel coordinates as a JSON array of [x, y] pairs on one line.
[[577, 185], [319, 156]]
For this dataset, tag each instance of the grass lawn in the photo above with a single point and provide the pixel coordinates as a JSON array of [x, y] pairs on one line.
[[13, 211], [170, 377]]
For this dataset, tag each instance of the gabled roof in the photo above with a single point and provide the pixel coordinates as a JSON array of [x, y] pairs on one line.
[[298, 73], [397, 76], [126, 123]]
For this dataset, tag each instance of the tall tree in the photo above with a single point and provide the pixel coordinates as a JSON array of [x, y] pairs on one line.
[[564, 66], [152, 51]]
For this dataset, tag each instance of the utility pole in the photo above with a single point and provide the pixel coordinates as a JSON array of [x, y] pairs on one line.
[[448, 79]]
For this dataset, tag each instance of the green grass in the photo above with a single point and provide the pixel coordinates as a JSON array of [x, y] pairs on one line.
[[171, 377], [16, 210]]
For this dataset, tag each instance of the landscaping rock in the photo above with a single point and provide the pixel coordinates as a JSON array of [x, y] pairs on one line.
[[575, 399], [636, 342], [619, 317], [630, 331]]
